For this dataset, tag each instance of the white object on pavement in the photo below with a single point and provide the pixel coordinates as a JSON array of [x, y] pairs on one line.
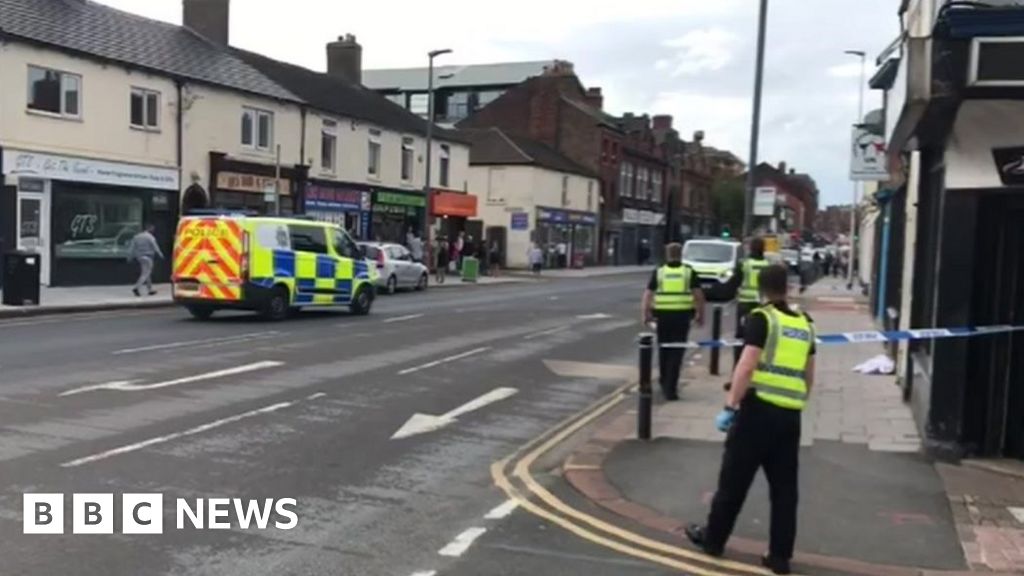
[[880, 364]]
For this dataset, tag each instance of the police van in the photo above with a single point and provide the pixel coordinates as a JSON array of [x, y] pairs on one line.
[[714, 260], [270, 265]]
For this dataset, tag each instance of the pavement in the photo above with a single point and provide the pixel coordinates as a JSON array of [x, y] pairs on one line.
[[151, 401], [872, 502]]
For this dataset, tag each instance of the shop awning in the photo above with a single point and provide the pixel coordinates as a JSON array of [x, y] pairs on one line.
[[453, 204]]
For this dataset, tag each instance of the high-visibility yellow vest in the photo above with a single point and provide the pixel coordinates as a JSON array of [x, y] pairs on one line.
[[749, 293], [674, 290], [781, 374]]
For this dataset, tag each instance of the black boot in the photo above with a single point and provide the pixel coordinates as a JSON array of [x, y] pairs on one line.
[[776, 565], [698, 535]]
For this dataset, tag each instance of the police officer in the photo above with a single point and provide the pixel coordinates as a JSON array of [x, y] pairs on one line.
[[747, 297], [674, 297], [770, 386]]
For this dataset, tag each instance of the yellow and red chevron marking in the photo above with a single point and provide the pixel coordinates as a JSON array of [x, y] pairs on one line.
[[210, 251]]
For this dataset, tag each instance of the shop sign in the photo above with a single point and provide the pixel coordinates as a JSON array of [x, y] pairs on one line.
[[1010, 164], [51, 166], [520, 221], [398, 199], [565, 216], [453, 204], [643, 217], [320, 197], [867, 155], [255, 183]]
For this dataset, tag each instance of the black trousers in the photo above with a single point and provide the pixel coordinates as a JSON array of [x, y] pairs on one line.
[[762, 436], [672, 327], [743, 310]]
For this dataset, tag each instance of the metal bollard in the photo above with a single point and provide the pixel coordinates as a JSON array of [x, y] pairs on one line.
[[716, 334], [643, 415]]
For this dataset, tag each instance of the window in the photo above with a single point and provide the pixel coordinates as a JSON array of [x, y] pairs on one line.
[[590, 195], [445, 165], [642, 190], [257, 129], [329, 145], [418, 104], [656, 185], [344, 246], [373, 154], [565, 190], [485, 97], [407, 153], [626, 179], [397, 99], [54, 92], [145, 109], [458, 106], [308, 239], [399, 253], [90, 225]]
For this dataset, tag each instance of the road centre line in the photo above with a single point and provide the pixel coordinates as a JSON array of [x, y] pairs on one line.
[[502, 510], [169, 437], [184, 343], [443, 360], [402, 318], [130, 386], [462, 542]]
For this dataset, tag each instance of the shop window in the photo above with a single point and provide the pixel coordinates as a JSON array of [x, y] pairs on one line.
[[443, 173], [257, 129], [329, 146], [54, 92], [407, 158], [308, 239], [145, 109], [95, 225]]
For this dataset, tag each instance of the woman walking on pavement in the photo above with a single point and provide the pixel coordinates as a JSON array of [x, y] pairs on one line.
[[441, 265]]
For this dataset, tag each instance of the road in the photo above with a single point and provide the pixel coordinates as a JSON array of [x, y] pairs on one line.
[[154, 402]]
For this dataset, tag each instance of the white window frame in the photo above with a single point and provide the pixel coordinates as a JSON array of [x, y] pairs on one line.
[[374, 155], [63, 93], [408, 148], [444, 166], [974, 59], [145, 93], [255, 114], [329, 133]]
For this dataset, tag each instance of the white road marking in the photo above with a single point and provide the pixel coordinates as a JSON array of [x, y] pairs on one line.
[[421, 423], [315, 396], [597, 316], [223, 340], [169, 437], [553, 298], [402, 318], [546, 332], [462, 542], [131, 386], [502, 510], [1018, 513], [443, 360], [425, 573]]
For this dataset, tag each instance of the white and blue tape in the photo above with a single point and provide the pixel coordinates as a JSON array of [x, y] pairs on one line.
[[867, 336]]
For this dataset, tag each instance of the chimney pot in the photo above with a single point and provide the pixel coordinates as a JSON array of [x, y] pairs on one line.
[[208, 18], [345, 59], [782, 167], [662, 122], [595, 98]]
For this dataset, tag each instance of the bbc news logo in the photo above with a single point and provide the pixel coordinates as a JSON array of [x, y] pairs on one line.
[[144, 514]]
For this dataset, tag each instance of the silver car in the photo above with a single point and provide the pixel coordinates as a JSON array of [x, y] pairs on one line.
[[396, 268]]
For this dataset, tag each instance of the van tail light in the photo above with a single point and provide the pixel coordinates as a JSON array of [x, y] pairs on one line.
[[380, 258], [245, 256]]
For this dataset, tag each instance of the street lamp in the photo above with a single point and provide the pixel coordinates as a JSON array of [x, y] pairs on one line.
[[853, 211], [430, 145], [755, 121]]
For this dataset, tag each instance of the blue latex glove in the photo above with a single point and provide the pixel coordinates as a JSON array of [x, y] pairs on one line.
[[724, 419]]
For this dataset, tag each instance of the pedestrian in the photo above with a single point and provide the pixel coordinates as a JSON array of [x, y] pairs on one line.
[[536, 257], [673, 297], [416, 248], [494, 257], [562, 250], [761, 418], [744, 282], [458, 246], [443, 258], [143, 249]]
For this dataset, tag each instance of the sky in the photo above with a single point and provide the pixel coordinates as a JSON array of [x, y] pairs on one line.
[[692, 59]]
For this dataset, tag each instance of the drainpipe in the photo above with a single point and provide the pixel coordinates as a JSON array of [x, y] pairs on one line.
[[180, 144], [883, 265]]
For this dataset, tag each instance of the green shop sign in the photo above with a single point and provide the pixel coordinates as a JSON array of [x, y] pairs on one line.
[[414, 201]]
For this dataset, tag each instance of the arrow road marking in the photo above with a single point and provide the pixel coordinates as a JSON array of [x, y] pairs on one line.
[[131, 386], [443, 360], [422, 423]]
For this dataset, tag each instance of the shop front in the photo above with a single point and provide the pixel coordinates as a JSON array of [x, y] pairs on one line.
[[643, 236], [251, 187], [80, 214], [568, 237], [346, 206], [451, 212], [394, 213]]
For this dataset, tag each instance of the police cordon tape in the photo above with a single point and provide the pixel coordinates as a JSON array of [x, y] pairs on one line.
[[867, 336]]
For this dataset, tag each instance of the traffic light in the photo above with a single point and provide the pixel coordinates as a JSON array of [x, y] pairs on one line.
[[726, 231]]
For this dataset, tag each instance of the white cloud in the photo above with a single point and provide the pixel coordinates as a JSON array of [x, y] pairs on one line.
[[850, 70], [699, 51]]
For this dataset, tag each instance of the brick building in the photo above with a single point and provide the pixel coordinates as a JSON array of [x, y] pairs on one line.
[[689, 179], [796, 204], [556, 110], [833, 221]]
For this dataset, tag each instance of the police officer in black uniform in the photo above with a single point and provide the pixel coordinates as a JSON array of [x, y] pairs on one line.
[[769, 390], [673, 296]]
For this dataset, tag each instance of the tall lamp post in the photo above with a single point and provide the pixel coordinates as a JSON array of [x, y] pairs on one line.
[[755, 121], [427, 189], [853, 212]]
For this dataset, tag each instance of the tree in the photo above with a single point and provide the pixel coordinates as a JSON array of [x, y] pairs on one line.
[[727, 201]]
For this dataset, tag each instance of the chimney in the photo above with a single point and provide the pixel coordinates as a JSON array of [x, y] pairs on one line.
[[792, 171], [662, 122], [208, 18], [559, 68], [595, 98], [698, 136], [345, 59], [782, 167]]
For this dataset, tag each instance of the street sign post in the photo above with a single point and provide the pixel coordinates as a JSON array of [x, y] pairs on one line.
[[867, 155]]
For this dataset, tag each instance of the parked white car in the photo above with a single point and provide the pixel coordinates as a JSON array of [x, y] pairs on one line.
[[396, 269]]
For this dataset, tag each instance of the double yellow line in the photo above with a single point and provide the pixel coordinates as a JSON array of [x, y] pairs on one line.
[[589, 527]]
